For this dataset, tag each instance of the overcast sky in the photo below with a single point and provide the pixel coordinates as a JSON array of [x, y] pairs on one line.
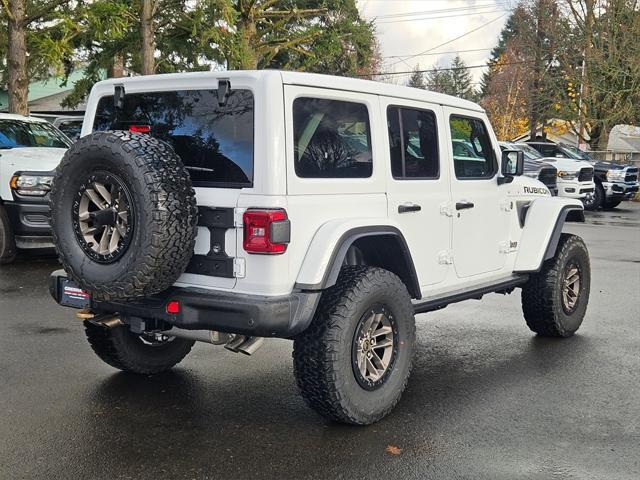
[[409, 27]]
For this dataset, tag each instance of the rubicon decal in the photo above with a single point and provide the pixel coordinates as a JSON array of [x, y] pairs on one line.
[[536, 190]]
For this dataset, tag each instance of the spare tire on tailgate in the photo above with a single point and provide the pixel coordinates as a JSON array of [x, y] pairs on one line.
[[123, 215]]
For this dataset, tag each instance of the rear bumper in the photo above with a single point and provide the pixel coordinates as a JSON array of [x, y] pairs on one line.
[[202, 309], [30, 224], [620, 190]]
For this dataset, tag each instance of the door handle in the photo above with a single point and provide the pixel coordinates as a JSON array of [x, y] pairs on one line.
[[409, 207], [463, 205]]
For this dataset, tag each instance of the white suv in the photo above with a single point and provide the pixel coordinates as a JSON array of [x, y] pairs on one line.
[[230, 207]]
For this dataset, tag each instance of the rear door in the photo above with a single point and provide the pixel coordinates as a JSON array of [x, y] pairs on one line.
[[215, 143], [418, 189], [481, 222]]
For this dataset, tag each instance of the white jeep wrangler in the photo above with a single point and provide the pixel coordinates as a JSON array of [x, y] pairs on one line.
[[228, 207]]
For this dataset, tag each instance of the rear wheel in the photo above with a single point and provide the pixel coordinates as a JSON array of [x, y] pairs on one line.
[[554, 300], [352, 364], [136, 353], [7, 240]]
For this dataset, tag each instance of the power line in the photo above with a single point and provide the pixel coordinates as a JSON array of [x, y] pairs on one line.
[[444, 53], [422, 19], [438, 69], [452, 40], [443, 10]]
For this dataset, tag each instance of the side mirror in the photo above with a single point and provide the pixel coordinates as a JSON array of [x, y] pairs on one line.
[[512, 163]]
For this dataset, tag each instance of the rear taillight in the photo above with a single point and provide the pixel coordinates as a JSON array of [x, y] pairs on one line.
[[266, 231]]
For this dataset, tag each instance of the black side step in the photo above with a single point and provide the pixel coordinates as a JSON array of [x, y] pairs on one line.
[[475, 293]]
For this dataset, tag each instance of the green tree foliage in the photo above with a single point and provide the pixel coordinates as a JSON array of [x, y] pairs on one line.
[[37, 37], [455, 80], [416, 80], [439, 80], [525, 83], [188, 37], [461, 80], [326, 36], [605, 90], [510, 30]]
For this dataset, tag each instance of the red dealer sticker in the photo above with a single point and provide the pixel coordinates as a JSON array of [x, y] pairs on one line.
[[74, 296]]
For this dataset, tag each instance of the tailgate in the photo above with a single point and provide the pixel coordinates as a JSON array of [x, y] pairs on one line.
[[214, 261]]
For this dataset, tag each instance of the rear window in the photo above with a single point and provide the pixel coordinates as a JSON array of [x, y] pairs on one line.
[[215, 143], [332, 139]]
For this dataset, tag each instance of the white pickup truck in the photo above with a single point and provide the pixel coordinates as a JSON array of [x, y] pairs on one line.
[[30, 148], [229, 207]]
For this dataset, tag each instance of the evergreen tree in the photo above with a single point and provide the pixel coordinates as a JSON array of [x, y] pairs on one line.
[[461, 81], [162, 36], [36, 39], [417, 79], [439, 80], [510, 30]]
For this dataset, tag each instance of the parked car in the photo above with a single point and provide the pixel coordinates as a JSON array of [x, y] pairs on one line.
[[30, 148], [71, 126], [326, 210], [614, 182], [534, 168], [575, 178]]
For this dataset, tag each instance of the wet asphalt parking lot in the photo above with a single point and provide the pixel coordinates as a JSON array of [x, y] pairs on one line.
[[486, 400]]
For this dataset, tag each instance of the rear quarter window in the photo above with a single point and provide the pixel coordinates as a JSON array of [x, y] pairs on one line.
[[214, 142], [332, 139]]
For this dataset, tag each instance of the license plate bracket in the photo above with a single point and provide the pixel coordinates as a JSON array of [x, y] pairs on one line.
[[71, 295]]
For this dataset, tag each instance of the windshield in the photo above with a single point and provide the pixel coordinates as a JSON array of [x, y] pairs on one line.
[[16, 133], [530, 153], [574, 153]]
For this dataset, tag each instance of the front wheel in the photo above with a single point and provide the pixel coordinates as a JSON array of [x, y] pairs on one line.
[[136, 353], [554, 300], [611, 204], [7, 240], [594, 201], [353, 362]]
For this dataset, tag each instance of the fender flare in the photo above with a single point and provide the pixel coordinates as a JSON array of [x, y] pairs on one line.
[[531, 256], [347, 239]]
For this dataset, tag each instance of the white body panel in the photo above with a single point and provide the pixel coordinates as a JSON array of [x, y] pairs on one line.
[[538, 230], [482, 243]]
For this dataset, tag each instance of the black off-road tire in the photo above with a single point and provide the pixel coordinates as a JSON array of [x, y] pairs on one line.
[[611, 204], [7, 240], [163, 214], [323, 355], [126, 351], [542, 298], [597, 200]]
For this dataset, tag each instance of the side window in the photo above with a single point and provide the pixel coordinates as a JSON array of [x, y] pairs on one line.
[[413, 141], [549, 150], [473, 155], [332, 139]]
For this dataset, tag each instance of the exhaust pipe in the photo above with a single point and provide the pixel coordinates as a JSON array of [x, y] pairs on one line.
[[207, 336], [251, 345], [245, 344], [108, 321]]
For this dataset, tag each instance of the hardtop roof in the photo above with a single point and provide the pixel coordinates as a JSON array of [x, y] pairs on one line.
[[312, 80], [15, 116]]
